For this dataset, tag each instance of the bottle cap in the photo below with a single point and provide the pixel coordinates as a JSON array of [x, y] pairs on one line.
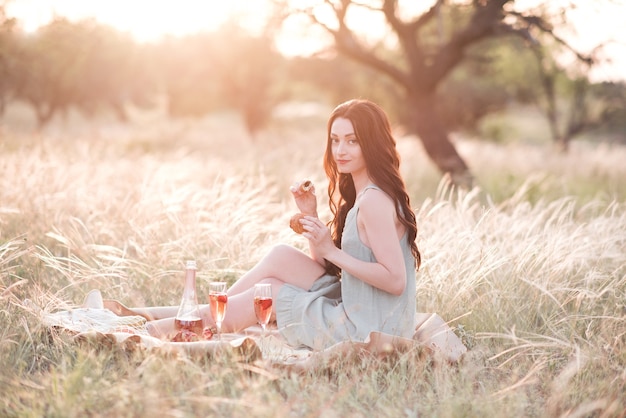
[[190, 265]]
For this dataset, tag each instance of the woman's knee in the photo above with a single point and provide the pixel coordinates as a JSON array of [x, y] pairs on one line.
[[276, 258], [281, 251], [271, 281]]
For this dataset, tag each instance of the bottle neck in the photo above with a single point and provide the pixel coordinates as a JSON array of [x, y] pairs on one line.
[[190, 284]]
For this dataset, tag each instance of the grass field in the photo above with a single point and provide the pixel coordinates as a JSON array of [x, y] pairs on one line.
[[530, 267]]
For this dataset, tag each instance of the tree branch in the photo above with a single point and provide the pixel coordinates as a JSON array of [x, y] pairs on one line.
[[347, 44], [483, 23], [407, 36], [423, 19], [544, 27]]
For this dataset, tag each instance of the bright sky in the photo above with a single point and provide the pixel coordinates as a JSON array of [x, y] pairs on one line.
[[595, 21], [146, 19]]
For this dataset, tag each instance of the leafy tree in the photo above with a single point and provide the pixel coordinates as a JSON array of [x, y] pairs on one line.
[[84, 65], [188, 75], [429, 54], [48, 62], [526, 71], [6, 56], [228, 68], [337, 78], [606, 102], [114, 72], [249, 69], [473, 90]]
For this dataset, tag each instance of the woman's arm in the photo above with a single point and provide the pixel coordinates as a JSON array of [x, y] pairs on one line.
[[378, 225]]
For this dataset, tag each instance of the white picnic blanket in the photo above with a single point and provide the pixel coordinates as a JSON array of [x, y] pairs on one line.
[[94, 322]]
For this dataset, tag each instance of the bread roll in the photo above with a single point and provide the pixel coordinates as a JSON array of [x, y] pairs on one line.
[[294, 223], [306, 186]]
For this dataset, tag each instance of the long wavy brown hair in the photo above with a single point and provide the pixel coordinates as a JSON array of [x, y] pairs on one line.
[[373, 131]]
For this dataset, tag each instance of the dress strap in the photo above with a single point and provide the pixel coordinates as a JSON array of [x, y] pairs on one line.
[[369, 186]]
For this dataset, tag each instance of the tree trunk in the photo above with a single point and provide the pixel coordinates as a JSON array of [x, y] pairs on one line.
[[562, 144], [436, 141]]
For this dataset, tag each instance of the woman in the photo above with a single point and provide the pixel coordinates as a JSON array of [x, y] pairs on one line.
[[360, 274]]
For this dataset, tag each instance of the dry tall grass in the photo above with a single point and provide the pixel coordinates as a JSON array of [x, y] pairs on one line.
[[531, 269]]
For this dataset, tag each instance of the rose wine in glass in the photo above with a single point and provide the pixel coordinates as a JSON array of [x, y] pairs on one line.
[[263, 303], [217, 301]]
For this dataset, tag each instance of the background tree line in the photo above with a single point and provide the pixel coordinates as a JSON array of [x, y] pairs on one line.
[[91, 67]]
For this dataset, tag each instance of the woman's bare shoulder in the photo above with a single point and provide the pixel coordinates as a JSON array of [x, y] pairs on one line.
[[375, 200]]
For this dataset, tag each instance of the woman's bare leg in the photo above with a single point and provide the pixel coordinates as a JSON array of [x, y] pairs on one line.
[[150, 313], [285, 263], [239, 314]]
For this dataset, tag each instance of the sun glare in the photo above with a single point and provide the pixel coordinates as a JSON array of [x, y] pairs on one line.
[[150, 20], [146, 20]]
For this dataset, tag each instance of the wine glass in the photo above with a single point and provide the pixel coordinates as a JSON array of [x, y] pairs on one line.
[[263, 303], [218, 300]]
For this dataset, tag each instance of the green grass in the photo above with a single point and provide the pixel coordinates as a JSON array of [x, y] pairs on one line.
[[530, 267]]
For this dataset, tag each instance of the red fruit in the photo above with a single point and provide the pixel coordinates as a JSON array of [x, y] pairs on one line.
[[185, 336], [207, 333]]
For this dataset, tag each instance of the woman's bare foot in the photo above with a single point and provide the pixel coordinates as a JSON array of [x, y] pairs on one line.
[[120, 310]]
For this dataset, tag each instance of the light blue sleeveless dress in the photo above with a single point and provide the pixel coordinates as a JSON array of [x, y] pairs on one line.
[[349, 309]]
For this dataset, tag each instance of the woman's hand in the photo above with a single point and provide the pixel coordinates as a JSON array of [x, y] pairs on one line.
[[305, 200], [318, 235]]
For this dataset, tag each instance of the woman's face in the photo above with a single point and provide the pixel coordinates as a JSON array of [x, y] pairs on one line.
[[345, 147]]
